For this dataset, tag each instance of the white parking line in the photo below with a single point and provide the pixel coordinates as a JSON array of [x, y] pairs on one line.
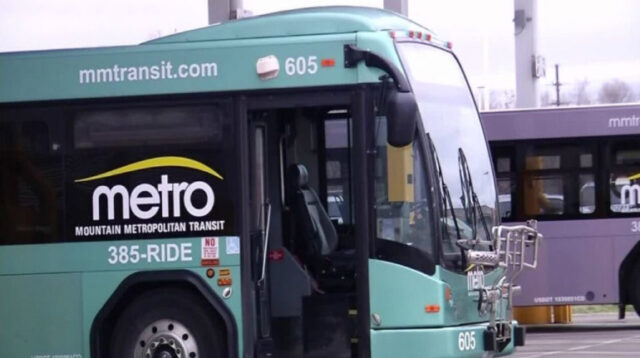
[[561, 341], [606, 354], [575, 350]]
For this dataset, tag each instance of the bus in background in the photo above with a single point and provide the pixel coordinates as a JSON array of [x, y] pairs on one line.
[[297, 184], [577, 171]]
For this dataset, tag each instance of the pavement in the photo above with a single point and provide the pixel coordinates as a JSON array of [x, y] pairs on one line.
[[589, 336], [591, 321]]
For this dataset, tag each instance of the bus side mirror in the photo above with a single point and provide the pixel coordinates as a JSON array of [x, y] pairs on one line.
[[402, 114]]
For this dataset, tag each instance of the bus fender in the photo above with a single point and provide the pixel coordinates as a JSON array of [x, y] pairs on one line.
[[140, 281]]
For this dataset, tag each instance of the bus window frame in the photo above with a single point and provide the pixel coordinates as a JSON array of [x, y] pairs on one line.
[[436, 195], [360, 100], [608, 152], [322, 155], [570, 175], [433, 195], [406, 255], [66, 112], [509, 151]]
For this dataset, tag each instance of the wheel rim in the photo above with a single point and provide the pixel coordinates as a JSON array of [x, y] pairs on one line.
[[166, 339]]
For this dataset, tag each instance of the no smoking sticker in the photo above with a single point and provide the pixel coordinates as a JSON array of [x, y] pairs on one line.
[[210, 251]]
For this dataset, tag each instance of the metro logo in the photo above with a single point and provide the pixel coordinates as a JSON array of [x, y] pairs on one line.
[[630, 193], [155, 163], [146, 194], [146, 200]]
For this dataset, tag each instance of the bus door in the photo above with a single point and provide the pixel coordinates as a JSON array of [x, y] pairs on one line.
[[302, 231], [260, 221]]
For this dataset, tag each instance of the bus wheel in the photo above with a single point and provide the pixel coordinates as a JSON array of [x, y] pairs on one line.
[[633, 287], [166, 323]]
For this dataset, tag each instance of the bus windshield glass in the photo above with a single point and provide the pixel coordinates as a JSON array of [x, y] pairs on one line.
[[451, 120]]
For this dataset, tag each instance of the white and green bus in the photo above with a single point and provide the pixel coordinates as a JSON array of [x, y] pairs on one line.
[[311, 183]]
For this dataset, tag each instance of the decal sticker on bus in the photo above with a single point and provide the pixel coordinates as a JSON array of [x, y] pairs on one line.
[[629, 193], [158, 203], [210, 251]]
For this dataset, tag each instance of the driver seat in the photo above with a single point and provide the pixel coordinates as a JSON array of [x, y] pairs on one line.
[[314, 225]]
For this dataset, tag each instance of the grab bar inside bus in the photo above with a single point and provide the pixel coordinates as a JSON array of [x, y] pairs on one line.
[[265, 243]]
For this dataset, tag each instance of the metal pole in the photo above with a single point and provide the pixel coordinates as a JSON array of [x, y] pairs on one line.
[[224, 10], [557, 84], [399, 6], [525, 21]]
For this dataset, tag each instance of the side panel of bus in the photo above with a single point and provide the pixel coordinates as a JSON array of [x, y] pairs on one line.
[[102, 192]]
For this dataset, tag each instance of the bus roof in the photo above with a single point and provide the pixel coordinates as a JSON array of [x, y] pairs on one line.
[[217, 58], [563, 122], [299, 22]]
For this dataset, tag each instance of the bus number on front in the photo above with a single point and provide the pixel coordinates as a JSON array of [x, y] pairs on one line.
[[467, 341], [301, 65]]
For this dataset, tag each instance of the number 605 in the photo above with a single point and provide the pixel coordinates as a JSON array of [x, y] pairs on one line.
[[467, 341]]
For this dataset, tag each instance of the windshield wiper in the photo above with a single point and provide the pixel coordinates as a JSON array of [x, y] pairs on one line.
[[447, 204], [470, 201]]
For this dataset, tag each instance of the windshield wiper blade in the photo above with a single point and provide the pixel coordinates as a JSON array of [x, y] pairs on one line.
[[466, 193], [446, 196], [470, 197]]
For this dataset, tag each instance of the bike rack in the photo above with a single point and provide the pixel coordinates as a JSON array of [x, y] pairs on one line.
[[515, 248]]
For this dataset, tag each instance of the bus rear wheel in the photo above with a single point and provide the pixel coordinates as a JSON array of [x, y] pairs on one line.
[[166, 323]]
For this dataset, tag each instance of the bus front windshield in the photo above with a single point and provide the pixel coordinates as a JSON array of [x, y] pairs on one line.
[[450, 118]]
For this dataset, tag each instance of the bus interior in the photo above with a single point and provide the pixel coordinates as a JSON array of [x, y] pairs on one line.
[[301, 193]]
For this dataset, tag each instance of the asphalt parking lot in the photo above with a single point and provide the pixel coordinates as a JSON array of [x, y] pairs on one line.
[[625, 343], [599, 336]]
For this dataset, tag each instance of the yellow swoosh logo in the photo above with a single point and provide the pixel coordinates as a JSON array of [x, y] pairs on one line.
[[155, 163], [634, 177]]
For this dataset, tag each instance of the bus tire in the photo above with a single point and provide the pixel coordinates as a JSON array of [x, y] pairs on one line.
[[633, 288], [172, 320]]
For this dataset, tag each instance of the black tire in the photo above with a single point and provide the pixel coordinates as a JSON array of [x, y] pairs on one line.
[[633, 288], [179, 305]]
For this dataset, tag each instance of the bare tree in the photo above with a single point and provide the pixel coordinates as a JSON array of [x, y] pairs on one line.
[[545, 99], [580, 93], [615, 91], [502, 99]]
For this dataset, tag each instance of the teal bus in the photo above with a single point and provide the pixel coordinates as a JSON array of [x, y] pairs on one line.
[[309, 183]]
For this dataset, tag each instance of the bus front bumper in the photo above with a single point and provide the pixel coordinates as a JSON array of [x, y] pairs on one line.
[[444, 342], [497, 339]]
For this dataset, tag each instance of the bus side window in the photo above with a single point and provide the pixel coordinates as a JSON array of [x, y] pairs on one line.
[[558, 181], [503, 163], [337, 145], [624, 182], [543, 194], [30, 182]]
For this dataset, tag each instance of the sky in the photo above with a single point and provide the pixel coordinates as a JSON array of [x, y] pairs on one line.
[[590, 39]]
